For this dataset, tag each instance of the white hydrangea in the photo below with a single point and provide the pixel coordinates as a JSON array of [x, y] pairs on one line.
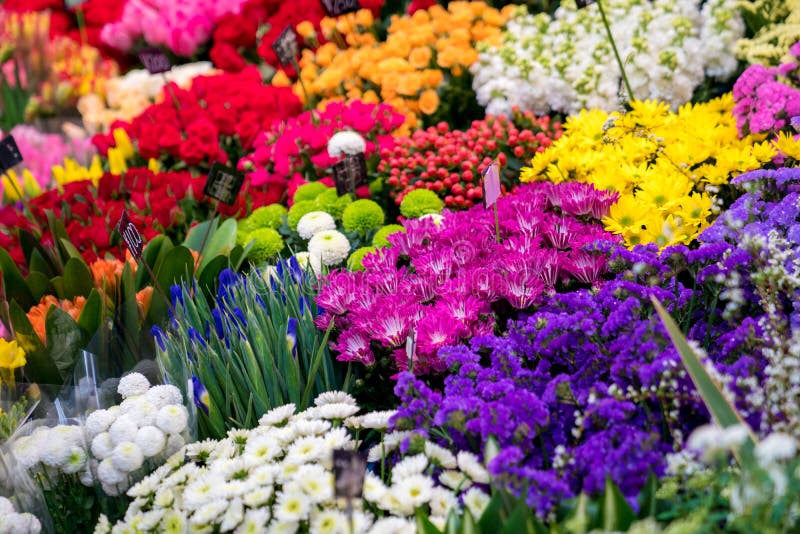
[[346, 143], [330, 246], [133, 384], [315, 222]]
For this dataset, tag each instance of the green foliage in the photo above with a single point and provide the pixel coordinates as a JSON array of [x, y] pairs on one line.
[[362, 216], [420, 202]]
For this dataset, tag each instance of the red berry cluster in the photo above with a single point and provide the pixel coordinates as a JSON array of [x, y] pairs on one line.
[[450, 162]]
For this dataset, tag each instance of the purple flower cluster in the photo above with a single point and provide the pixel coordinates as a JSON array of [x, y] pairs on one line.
[[765, 103], [589, 386], [442, 283]]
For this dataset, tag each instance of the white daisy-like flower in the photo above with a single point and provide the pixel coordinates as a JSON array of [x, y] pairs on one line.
[[277, 416], [202, 490], [162, 395], [314, 481], [172, 418], [254, 522], [476, 502], [239, 436], [76, 461], [353, 422], [265, 475], [330, 246], [123, 429], [144, 488], [455, 480], [334, 397], [374, 489], [127, 457], [775, 448], [336, 411], [286, 471], [98, 421], [305, 450], [315, 222], [150, 440], [257, 497], [393, 525], [173, 522], [377, 420], [164, 498], [347, 142], [283, 527], [307, 260], [108, 474], [233, 516], [311, 427], [442, 501], [470, 465], [329, 522], [133, 384], [285, 435], [292, 506], [103, 525], [440, 456], [338, 438], [201, 450], [413, 491], [409, 466], [209, 512]]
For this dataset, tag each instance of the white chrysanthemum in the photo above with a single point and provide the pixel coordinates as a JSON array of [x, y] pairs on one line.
[[254, 522], [377, 420], [108, 474], [334, 397], [149, 520], [329, 522], [54, 453], [162, 395], [442, 501], [5, 506], [103, 525], [258, 497], [66, 435], [164, 498], [123, 429], [409, 466], [306, 259], [173, 522], [311, 427], [374, 489], [262, 449], [439, 455], [150, 440], [283, 527], [338, 438], [393, 525], [133, 384], [102, 446], [346, 142], [26, 451], [292, 506], [175, 442], [330, 246], [24, 523], [336, 411], [286, 471], [140, 410], [209, 512], [277, 416], [144, 488], [233, 516], [476, 502], [202, 490], [776, 447], [315, 222], [201, 450], [470, 465], [437, 218], [306, 449], [127, 457], [455, 480], [413, 491], [315, 481], [98, 421], [172, 419], [76, 461]]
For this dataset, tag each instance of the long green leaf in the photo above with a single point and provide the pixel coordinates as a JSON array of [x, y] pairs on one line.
[[39, 367], [78, 280], [615, 512], [16, 288]]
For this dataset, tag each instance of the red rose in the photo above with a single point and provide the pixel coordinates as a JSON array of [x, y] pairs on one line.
[[193, 151], [416, 5], [237, 31], [225, 57], [100, 12], [247, 129]]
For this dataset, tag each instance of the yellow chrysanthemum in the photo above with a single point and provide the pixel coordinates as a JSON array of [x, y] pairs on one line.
[[788, 145]]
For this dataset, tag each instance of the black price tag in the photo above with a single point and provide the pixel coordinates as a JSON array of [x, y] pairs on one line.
[[584, 3], [154, 60], [224, 183], [349, 468], [334, 8], [9, 153], [350, 173], [285, 46], [130, 235]]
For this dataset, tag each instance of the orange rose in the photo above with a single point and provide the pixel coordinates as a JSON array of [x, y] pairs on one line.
[[420, 57], [429, 101]]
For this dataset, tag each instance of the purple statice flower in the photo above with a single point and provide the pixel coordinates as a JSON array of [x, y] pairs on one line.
[[453, 281]]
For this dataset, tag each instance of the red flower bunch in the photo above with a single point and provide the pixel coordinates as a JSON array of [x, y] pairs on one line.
[[217, 119], [157, 203], [237, 36], [290, 153], [449, 162]]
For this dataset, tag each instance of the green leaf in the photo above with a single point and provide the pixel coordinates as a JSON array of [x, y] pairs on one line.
[[208, 278], [195, 236], [15, 286], [153, 255], [69, 248], [468, 525], [615, 512], [647, 497], [724, 414], [39, 285], [490, 517], [64, 339], [39, 367], [579, 521], [31, 245], [78, 280], [222, 241], [39, 264], [522, 519], [177, 267], [91, 316], [424, 525], [451, 527]]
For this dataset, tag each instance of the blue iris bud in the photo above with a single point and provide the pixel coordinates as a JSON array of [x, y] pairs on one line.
[[160, 337], [291, 336], [201, 397]]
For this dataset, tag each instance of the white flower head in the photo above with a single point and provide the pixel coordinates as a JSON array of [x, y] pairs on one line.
[[262, 449], [150, 440], [123, 429], [315, 222], [254, 521], [292, 506], [334, 397], [108, 474], [172, 419], [102, 446], [306, 260], [233, 516], [314, 481], [377, 420], [346, 142], [409, 466], [76, 461], [439, 455], [476, 502], [209, 512], [133, 384], [393, 525], [127, 457], [330, 246], [311, 427], [5, 506], [15, 523], [470, 465], [455, 480], [306, 449], [162, 395], [98, 421], [442, 501], [336, 411], [277, 416], [775, 448], [413, 491]]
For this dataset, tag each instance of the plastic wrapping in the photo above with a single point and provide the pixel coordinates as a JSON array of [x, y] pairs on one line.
[[25, 496]]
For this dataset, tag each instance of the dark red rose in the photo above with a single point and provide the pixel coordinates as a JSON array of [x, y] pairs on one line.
[[225, 57], [416, 5], [193, 151], [237, 31]]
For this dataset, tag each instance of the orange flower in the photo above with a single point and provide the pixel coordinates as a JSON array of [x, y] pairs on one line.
[[364, 18], [106, 273], [143, 300], [305, 29], [429, 102], [38, 314], [280, 79], [420, 57]]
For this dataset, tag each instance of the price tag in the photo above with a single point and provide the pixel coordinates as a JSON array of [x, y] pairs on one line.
[[349, 468], [130, 235], [334, 8], [9, 153], [350, 173], [285, 46], [411, 345], [154, 60], [584, 3], [224, 183]]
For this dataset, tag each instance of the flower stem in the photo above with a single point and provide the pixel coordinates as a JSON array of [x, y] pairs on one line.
[[614, 47]]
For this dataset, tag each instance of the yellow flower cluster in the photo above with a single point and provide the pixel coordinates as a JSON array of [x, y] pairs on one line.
[[12, 356], [405, 71], [770, 45], [666, 166]]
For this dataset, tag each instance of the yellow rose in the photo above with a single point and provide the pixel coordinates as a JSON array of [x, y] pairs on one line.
[[364, 18], [305, 29]]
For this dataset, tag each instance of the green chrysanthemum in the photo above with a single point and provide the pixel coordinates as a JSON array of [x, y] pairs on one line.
[[331, 202], [420, 202], [379, 240], [264, 217], [297, 211], [266, 244], [354, 262], [362, 216], [310, 191]]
